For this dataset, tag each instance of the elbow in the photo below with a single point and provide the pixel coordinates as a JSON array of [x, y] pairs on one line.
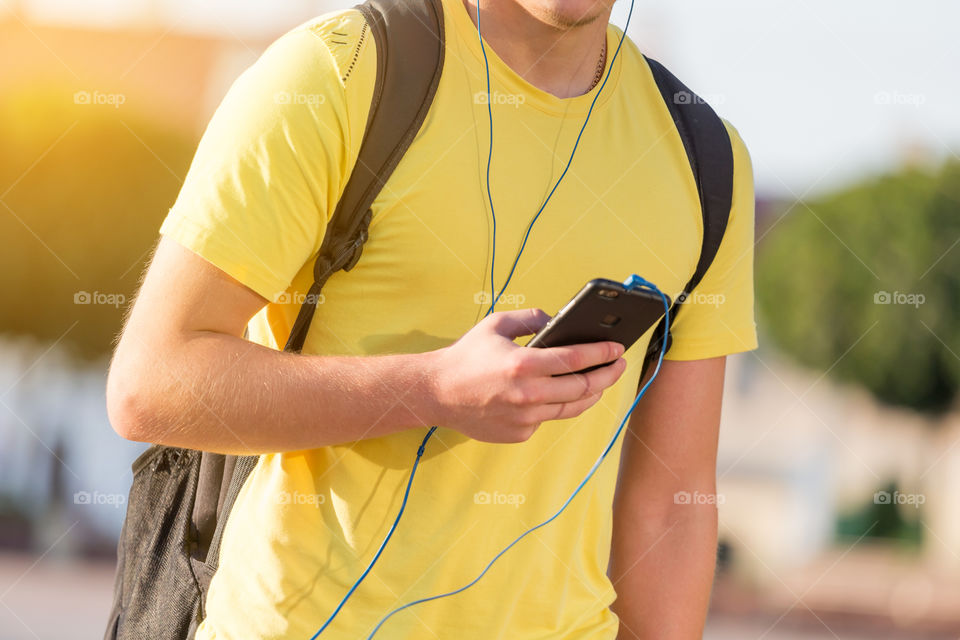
[[669, 506], [128, 406]]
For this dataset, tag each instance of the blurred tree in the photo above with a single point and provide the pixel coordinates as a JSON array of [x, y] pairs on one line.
[[884, 519], [83, 189], [865, 284]]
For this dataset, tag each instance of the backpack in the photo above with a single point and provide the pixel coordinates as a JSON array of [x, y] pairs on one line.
[[180, 499]]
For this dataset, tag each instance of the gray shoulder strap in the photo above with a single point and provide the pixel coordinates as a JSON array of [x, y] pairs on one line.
[[410, 44], [709, 151], [409, 38]]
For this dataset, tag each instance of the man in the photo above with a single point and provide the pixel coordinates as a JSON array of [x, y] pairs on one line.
[[399, 344]]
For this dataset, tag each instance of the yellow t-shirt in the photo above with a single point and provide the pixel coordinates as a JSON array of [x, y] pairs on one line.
[[264, 182]]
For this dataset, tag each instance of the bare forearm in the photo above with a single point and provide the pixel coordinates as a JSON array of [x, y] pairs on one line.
[[182, 375], [662, 567], [220, 393]]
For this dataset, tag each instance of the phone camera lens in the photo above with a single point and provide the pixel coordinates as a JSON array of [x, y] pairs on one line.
[[609, 320]]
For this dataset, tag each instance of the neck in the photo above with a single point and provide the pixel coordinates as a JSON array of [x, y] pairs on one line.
[[559, 56]]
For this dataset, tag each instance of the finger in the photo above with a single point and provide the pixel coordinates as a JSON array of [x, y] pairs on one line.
[[604, 377], [569, 388], [560, 360], [564, 410], [522, 322], [559, 389]]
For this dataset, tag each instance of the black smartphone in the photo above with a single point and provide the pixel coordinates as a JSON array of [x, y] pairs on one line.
[[602, 310]]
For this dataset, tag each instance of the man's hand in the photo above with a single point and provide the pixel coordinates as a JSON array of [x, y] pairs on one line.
[[182, 375], [665, 510], [492, 390]]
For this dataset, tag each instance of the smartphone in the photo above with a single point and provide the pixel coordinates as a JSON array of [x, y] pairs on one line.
[[602, 310]]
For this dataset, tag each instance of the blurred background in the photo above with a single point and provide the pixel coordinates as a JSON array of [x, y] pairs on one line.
[[838, 456]]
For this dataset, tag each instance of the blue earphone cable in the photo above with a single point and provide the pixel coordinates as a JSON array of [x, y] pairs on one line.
[[576, 144], [490, 310], [632, 282], [386, 539], [493, 215]]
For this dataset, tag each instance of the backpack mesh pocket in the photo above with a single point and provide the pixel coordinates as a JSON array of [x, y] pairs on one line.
[[157, 593]]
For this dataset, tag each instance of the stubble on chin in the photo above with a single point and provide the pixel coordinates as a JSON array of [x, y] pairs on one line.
[[564, 19]]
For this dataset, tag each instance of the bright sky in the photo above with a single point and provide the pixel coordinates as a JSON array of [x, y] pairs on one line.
[[822, 91]]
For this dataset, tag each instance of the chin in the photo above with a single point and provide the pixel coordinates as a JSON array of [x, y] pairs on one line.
[[565, 14]]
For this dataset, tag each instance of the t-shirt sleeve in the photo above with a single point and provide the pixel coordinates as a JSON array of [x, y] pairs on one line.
[[270, 166], [718, 317]]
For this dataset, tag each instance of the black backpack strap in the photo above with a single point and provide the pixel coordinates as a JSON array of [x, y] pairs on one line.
[[231, 483], [710, 153], [410, 41], [410, 45]]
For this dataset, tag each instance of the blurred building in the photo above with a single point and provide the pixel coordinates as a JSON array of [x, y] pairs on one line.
[[797, 452], [174, 76]]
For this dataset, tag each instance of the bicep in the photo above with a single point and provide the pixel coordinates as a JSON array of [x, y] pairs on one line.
[[671, 442], [182, 296], [183, 293]]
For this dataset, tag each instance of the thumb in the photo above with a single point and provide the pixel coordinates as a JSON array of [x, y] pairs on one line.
[[522, 322]]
